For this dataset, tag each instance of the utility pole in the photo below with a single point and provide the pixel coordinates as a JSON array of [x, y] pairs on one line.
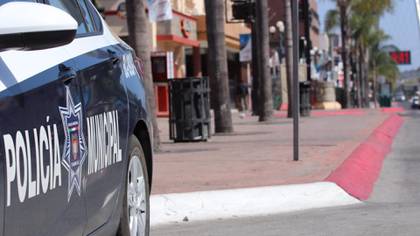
[[295, 96]]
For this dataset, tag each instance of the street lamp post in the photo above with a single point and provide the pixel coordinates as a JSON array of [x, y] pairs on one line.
[[278, 28], [281, 29]]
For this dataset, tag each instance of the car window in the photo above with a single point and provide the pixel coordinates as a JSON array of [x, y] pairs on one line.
[[121, 7], [6, 1], [96, 17], [86, 15], [71, 7]]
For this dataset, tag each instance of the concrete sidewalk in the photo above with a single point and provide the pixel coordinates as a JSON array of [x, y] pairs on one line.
[[260, 154]]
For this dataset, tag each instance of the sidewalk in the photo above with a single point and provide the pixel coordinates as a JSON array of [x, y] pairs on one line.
[[260, 154]]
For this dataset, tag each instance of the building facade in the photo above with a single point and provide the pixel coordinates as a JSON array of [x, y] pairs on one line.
[[277, 13], [180, 45]]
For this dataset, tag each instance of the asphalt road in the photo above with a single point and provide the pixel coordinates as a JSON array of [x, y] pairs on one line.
[[393, 209]]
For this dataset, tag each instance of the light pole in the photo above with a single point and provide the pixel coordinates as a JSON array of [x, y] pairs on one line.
[[277, 88], [281, 29]]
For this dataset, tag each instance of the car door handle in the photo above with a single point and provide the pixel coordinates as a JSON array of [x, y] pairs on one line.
[[114, 58], [67, 74]]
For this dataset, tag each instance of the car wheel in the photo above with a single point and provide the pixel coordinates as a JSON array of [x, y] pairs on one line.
[[135, 215]]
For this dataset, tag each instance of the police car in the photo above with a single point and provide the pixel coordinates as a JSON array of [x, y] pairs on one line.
[[75, 139]]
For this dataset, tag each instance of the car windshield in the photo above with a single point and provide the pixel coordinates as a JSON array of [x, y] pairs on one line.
[[6, 1]]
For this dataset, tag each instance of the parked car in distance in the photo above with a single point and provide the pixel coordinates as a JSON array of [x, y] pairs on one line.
[[400, 97], [415, 103]]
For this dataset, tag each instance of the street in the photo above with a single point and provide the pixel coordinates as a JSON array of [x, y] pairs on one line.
[[393, 208]]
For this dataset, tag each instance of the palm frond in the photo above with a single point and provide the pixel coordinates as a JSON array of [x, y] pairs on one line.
[[332, 20]]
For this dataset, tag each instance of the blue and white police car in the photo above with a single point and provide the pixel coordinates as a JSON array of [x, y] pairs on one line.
[[75, 139]]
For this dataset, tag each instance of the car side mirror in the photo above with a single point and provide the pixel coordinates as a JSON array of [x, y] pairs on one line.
[[34, 26]]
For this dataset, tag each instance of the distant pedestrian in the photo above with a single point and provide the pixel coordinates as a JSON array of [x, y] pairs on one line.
[[243, 96]]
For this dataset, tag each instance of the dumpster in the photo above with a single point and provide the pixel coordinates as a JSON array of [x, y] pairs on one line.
[[305, 98], [189, 109], [385, 101]]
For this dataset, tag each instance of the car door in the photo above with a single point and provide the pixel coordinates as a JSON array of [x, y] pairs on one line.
[[104, 101], [41, 143], [42, 117]]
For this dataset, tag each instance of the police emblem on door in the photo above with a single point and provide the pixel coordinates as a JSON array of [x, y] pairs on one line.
[[74, 153]]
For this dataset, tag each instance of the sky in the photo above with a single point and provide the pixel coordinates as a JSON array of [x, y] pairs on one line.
[[402, 25]]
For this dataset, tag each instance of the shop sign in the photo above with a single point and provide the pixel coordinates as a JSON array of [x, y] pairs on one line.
[[159, 10], [162, 66], [245, 54], [401, 57], [181, 26]]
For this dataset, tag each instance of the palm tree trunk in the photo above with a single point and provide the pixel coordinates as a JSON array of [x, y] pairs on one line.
[[375, 86], [266, 99], [255, 74], [289, 54], [345, 50], [217, 62], [140, 39], [361, 76], [366, 75], [358, 78]]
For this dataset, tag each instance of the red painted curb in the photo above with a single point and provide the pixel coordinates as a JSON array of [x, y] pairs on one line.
[[344, 112], [392, 109], [324, 113], [359, 172]]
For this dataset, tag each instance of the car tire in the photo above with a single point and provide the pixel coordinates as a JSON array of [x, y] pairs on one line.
[[136, 202]]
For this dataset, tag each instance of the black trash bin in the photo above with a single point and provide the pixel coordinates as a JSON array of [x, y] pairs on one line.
[[189, 109], [305, 101]]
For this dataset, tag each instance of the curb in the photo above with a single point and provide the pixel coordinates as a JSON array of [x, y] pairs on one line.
[[360, 171], [213, 205]]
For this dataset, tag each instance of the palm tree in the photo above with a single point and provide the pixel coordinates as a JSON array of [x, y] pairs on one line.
[[385, 65], [381, 62], [361, 25], [365, 22], [140, 39], [335, 18], [332, 20], [217, 62], [344, 8], [266, 98], [362, 16]]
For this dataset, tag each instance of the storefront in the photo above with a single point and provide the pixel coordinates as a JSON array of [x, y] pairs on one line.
[[180, 49], [175, 39], [238, 73]]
